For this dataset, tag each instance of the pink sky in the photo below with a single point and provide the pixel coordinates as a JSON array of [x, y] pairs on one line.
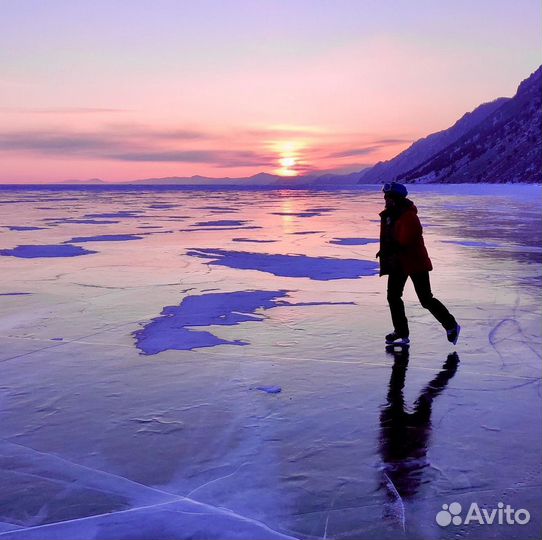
[[171, 89]]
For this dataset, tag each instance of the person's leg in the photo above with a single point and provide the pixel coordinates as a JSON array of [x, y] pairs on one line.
[[396, 285], [422, 286]]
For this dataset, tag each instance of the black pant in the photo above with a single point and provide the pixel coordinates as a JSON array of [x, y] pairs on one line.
[[396, 285]]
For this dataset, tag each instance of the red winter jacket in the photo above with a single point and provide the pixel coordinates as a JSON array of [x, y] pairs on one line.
[[401, 241]]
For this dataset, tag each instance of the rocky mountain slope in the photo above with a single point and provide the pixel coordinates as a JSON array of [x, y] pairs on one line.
[[505, 147], [423, 149]]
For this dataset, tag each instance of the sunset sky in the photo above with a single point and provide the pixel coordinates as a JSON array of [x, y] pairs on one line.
[[131, 89]]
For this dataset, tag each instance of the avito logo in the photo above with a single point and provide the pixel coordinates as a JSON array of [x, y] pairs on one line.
[[502, 515]]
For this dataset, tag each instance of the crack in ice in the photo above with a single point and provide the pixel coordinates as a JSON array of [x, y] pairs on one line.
[[174, 498], [217, 479]]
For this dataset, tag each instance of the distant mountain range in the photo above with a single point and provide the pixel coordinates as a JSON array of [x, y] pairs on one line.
[[498, 142], [260, 179]]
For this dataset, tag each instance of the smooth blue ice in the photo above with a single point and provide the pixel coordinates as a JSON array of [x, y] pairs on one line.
[[245, 227], [471, 243], [170, 330], [221, 223], [57, 221], [225, 209], [33, 252], [353, 241], [255, 240], [321, 209], [22, 228], [270, 389], [119, 214], [317, 268], [297, 214], [104, 238], [298, 304]]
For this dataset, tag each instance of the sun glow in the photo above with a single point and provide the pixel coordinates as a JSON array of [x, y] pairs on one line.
[[287, 162], [289, 157]]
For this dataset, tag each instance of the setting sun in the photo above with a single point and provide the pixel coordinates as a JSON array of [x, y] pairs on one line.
[[289, 157], [287, 162]]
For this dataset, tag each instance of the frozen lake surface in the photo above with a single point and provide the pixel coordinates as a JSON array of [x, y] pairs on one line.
[[210, 364]]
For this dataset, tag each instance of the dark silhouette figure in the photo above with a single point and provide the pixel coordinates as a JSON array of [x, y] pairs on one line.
[[403, 255], [405, 435]]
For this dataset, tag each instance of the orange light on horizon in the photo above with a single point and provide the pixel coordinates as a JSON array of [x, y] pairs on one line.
[[287, 172]]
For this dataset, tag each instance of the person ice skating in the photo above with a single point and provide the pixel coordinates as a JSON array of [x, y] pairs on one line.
[[402, 255]]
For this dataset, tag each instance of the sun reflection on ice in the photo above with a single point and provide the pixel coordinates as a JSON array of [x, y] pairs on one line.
[[288, 209]]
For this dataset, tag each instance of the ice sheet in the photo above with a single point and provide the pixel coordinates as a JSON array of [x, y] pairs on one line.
[[101, 441]]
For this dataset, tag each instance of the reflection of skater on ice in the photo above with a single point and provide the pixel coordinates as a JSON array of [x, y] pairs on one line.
[[404, 435], [403, 255]]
